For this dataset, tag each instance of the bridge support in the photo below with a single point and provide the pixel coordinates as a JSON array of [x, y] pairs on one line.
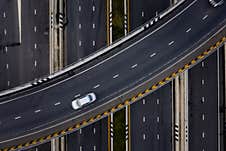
[[127, 127], [109, 22], [56, 25], [181, 112], [19, 18], [58, 144], [110, 132]]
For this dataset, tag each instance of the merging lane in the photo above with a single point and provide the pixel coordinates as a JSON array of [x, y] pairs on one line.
[[139, 61]]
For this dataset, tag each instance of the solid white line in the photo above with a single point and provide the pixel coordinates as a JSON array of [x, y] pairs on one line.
[[116, 76], [188, 30], [152, 55], [204, 17], [134, 66], [96, 86], [58, 103], [172, 42]]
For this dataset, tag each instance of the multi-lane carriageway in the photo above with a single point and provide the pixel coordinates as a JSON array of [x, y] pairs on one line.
[[56, 113]]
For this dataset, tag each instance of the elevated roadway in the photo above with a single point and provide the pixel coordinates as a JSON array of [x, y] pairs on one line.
[[152, 55]]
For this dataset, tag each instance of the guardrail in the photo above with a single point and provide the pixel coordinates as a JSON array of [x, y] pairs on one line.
[[93, 55]]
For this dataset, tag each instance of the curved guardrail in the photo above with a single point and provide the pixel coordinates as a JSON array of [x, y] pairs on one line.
[[91, 56]]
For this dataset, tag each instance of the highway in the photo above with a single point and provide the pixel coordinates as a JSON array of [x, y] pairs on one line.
[[151, 121], [86, 29], [9, 28], [150, 53], [29, 60], [142, 11], [203, 105], [91, 138]]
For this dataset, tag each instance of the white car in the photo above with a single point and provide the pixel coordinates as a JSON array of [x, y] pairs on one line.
[[80, 102], [216, 3]]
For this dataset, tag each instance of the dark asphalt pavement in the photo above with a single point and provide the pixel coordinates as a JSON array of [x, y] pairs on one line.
[[143, 10], [86, 28], [9, 28], [91, 138], [203, 105], [42, 147], [151, 121], [138, 62], [30, 60]]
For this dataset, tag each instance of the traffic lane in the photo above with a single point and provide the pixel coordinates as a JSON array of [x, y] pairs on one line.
[[90, 138], [203, 105], [151, 121], [142, 11], [87, 27], [9, 28], [101, 100]]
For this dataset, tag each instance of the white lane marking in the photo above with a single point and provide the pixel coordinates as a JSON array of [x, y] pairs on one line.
[[79, 8], [144, 119], [203, 81], [203, 117], [5, 32], [144, 101], [158, 136], [35, 12], [78, 95], [203, 64], [35, 45], [134, 66], [80, 148], [203, 134], [35, 29], [144, 136], [7, 66], [94, 148], [80, 43], [6, 49], [152, 55], [17, 118], [80, 26], [115, 76], [157, 101], [157, 119], [35, 63], [96, 86], [170, 43], [94, 8], [94, 130], [94, 26], [37, 111], [203, 99], [188, 30], [204, 17], [4, 14], [94, 43], [58, 103]]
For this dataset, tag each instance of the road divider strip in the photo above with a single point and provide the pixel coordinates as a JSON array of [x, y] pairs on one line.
[[135, 98]]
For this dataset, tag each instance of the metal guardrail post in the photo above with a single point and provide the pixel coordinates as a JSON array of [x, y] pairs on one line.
[[176, 115], [110, 132], [61, 34], [125, 17]]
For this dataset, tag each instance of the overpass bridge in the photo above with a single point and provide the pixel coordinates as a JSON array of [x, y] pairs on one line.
[[141, 74]]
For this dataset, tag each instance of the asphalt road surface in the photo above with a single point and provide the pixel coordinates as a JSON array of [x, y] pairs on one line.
[[203, 105], [138, 62], [85, 28], [91, 138], [143, 10], [9, 28], [30, 60], [151, 121]]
